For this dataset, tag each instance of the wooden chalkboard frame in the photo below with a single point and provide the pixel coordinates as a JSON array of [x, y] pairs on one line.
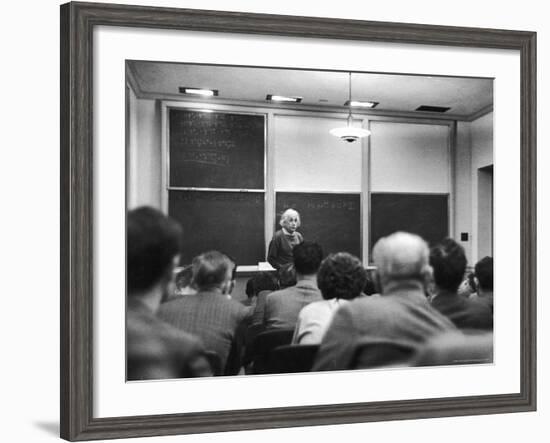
[[77, 216]]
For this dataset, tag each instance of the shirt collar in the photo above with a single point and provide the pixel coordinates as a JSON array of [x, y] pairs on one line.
[[307, 284]]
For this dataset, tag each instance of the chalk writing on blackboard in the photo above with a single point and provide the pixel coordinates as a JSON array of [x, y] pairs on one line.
[[253, 198], [216, 150], [327, 204], [331, 219], [206, 157]]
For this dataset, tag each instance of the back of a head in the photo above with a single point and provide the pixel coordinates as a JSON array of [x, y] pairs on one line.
[[307, 257], [265, 281], [341, 276], [249, 288], [401, 256], [211, 270], [153, 241], [484, 273], [286, 275], [448, 262], [184, 278]]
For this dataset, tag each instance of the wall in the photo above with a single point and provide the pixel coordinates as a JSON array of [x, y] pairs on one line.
[[482, 141], [409, 157], [482, 156], [463, 187], [401, 155], [31, 368], [144, 154], [308, 158]]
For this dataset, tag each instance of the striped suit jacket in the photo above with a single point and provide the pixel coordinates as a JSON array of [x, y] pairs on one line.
[[211, 316]]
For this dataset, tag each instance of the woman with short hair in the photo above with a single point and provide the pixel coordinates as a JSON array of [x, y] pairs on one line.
[[341, 278]]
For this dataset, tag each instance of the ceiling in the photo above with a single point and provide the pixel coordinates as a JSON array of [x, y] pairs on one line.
[[467, 97]]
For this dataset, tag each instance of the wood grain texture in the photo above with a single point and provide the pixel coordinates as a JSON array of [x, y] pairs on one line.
[[77, 22]]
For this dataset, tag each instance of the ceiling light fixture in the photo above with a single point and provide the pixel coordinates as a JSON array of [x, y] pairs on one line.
[[283, 98], [358, 104], [198, 91], [349, 133]]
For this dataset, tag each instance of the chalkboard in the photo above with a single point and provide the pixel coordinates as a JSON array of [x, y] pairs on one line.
[[216, 150], [424, 214], [230, 222], [332, 220]]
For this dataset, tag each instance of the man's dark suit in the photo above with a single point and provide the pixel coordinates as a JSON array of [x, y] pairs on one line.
[[156, 350], [215, 318], [464, 313], [282, 307]]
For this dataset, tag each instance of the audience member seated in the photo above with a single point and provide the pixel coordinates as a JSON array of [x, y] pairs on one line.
[[454, 348], [282, 307], [184, 278], [249, 291], [263, 284], [468, 286], [483, 277], [448, 262], [154, 349], [380, 352], [286, 276], [341, 277], [370, 286], [401, 313], [211, 314]]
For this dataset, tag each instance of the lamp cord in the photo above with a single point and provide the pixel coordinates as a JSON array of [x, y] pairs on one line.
[[349, 101]]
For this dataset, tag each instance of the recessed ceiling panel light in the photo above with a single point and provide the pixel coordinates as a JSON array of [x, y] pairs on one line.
[[198, 91], [283, 99], [358, 104], [429, 108]]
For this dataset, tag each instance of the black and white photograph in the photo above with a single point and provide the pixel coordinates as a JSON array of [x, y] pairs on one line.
[[287, 220]]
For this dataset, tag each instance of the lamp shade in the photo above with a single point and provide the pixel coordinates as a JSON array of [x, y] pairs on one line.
[[351, 131]]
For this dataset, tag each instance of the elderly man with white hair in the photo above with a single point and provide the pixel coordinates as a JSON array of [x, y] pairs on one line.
[[281, 245], [401, 318]]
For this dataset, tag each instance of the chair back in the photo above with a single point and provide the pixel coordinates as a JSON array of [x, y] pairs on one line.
[[264, 343], [291, 359], [376, 353], [215, 362]]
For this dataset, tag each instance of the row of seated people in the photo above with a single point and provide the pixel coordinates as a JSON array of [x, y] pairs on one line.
[[329, 319]]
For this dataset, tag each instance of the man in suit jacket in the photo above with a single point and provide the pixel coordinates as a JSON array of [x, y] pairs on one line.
[[282, 307], [211, 314], [448, 262], [155, 350], [483, 277], [401, 315]]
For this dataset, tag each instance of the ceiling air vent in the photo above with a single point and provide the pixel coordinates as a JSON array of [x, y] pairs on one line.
[[427, 108]]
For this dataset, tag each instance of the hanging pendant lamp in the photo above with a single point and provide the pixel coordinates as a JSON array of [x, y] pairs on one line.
[[349, 133]]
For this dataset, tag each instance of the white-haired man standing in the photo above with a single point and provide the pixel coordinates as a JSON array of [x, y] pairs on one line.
[[401, 317], [281, 245]]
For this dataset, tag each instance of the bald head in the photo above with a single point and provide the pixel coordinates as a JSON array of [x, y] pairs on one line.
[[401, 256]]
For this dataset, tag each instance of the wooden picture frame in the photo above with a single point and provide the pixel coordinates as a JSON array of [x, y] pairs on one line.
[[77, 271]]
